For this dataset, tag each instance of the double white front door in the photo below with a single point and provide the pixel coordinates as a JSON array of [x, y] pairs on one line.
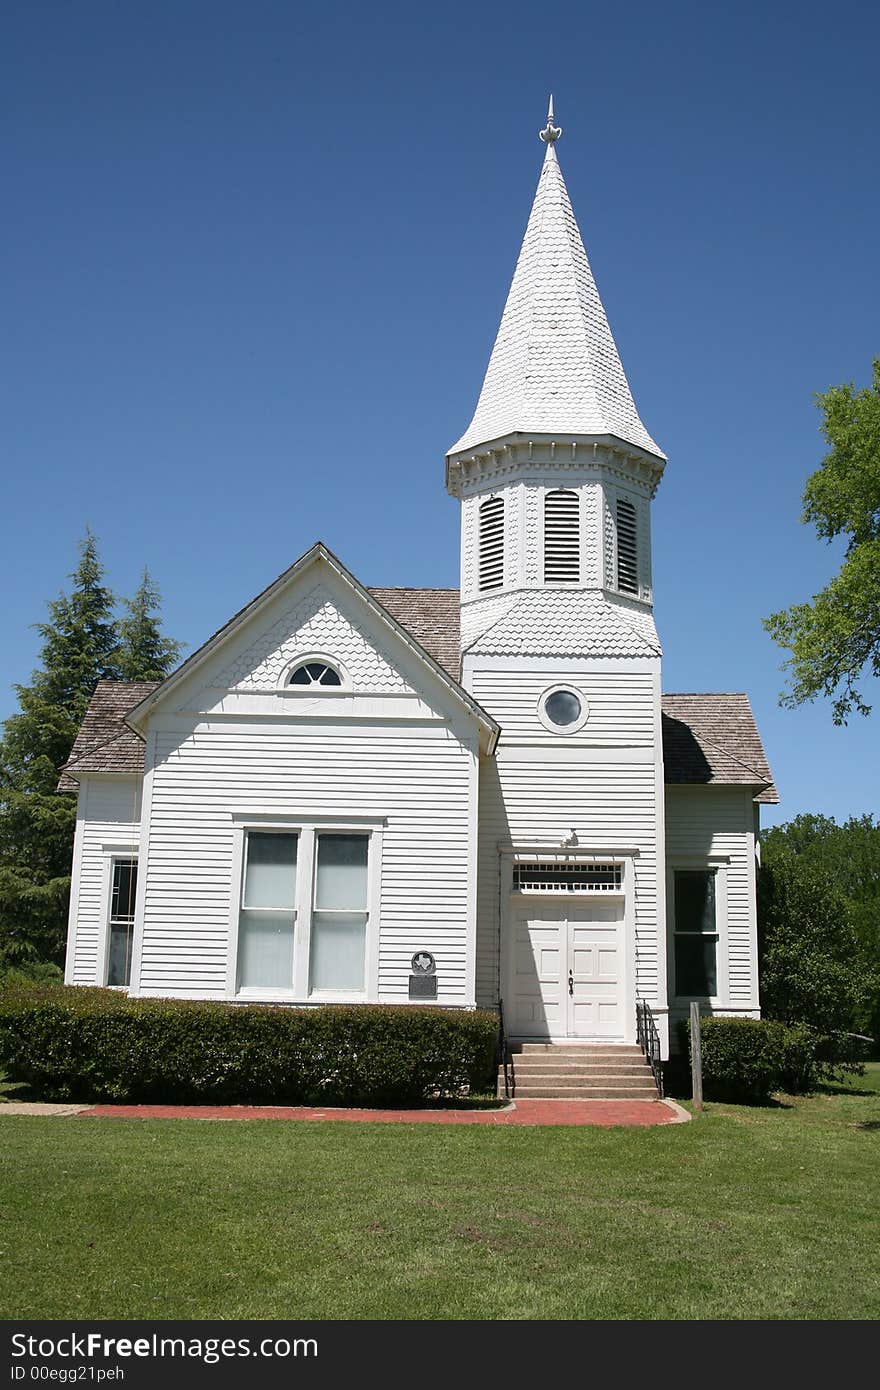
[[565, 969]]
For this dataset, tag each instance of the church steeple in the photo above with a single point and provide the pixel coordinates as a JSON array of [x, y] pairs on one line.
[[554, 369]]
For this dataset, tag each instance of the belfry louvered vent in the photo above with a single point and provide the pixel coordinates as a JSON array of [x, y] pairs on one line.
[[627, 548], [492, 543], [562, 537]]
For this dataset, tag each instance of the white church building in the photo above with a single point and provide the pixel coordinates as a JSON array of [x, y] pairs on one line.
[[462, 796]]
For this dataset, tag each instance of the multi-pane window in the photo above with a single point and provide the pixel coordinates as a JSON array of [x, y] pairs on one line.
[[268, 911], [696, 933], [627, 548], [337, 949], [491, 544], [315, 673], [123, 892], [562, 537], [567, 878], [304, 932]]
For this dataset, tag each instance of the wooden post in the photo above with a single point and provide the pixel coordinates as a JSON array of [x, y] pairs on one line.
[[696, 1056]]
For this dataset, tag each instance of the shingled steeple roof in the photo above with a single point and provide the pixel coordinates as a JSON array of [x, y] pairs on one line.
[[554, 368]]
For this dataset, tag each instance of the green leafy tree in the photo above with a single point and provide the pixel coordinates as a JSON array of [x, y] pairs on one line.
[[811, 970], [36, 824], [846, 856], [144, 653], [835, 639]]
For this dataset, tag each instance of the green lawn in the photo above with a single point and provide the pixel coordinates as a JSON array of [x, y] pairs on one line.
[[744, 1213]]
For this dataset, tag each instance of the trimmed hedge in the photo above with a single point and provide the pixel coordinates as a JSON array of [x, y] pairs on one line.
[[90, 1045], [747, 1059]]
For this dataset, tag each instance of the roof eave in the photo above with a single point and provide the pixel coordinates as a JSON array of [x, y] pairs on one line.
[[457, 458]]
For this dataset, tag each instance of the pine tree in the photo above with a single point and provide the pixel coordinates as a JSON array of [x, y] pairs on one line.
[[36, 823], [144, 654]]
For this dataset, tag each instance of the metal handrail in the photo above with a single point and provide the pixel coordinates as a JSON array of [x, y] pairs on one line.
[[648, 1039], [504, 1058]]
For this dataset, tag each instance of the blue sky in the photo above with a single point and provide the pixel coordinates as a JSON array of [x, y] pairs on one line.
[[256, 255]]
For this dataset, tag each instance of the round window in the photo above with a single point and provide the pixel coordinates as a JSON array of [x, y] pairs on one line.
[[563, 710]]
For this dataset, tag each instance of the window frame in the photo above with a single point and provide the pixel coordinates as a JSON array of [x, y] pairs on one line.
[[111, 855], [307, 830], [718, 866], [311, 692], [563, 730]]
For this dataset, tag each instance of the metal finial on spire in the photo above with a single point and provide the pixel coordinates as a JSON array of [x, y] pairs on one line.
[[551, 132]]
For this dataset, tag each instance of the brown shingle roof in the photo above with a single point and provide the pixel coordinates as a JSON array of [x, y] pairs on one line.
[[712, 738], [432, 617], [104, 743]]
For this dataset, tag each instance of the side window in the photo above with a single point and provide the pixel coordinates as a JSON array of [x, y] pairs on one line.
[[696, 933], [562, 537], [123, 893], [337, 948], [627, 548], [266, 919], [491, 544]]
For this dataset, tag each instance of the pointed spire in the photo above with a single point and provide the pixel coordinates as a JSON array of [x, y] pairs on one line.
[[554, 368], [551, 133]]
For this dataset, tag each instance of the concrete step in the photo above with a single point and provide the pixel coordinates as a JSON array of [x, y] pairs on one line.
[[593, 1049], [574, 1079], [581, 1078], [548, 1059], [585, 1093]]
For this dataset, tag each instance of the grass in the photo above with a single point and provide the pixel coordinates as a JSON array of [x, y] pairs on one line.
[[745, 1213]]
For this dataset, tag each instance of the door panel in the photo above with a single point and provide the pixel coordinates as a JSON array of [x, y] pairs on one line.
[[538, 975], [567, 970], [596, 1003]]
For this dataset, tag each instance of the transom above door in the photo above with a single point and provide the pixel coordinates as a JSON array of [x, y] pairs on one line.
[[565, 969]]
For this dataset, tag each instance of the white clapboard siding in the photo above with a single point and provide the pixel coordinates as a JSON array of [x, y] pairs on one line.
[[609, 804], [419, 784], [601, 781], [622, 704], [108, 811], [705, 823]]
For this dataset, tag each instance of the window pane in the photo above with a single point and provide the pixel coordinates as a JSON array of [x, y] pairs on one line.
[[341, 882], [694, 900], [695, 972], [270, 880], [119, 956], [124, 889], [337, 951], [265, 950], [563, 708]]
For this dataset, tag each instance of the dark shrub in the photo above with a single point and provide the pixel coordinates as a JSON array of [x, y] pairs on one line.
[[747, 1059], [40, 972], [99, 1045]]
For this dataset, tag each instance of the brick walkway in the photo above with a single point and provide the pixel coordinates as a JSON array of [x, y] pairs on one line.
[[523, 1112]]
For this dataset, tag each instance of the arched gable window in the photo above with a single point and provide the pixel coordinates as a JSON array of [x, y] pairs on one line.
[[315, 673], [627, 548], [562, 537], [491, 544]]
